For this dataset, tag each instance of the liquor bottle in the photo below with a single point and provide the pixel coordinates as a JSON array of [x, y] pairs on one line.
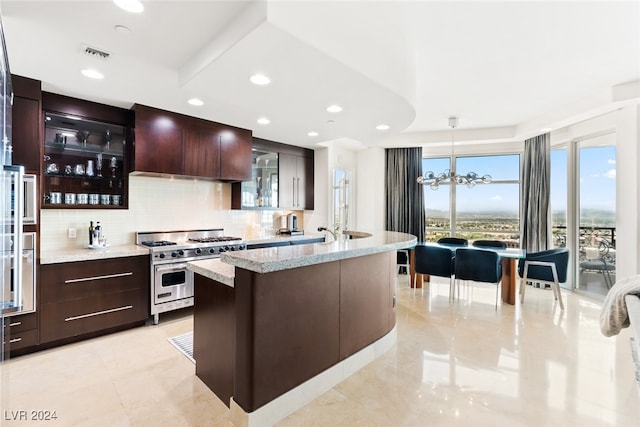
[[91, 231]]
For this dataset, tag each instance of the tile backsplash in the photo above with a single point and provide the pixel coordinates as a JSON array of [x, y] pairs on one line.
[[159, 204]]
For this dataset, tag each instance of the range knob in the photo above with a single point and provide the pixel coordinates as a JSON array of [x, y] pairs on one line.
[[222, 249], [181, 252], [161, 256], [174, 254], [212, 250], [198, 251], [233, 248]]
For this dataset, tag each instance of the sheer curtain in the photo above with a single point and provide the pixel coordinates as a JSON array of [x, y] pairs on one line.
[[535, 189], [405, 197]]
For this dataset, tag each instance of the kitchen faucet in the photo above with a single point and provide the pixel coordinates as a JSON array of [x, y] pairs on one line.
[[328, 231]]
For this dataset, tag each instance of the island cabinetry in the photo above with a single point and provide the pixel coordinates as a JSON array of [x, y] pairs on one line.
[[87, 297], [20, 332], [171, 143], [26, 128]]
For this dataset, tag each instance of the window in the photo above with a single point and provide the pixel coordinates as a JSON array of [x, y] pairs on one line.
[[486, 211]]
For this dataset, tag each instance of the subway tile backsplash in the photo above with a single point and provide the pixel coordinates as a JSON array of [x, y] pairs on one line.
[[159, 204]]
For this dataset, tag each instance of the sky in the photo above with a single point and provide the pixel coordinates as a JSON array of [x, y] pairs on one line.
[[597, 182]]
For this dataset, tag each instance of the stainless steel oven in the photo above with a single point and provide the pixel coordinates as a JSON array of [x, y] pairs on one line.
[[171, 283]]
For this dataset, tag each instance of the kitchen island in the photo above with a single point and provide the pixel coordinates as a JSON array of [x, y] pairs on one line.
[[288, 323]]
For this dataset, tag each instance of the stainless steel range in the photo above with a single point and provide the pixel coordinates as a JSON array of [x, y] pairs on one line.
[[171, 282]]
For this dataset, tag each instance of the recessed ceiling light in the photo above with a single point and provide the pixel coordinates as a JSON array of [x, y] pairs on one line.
[[92, 74], [334, 108], [195, 101], [264, 121], [122, 29], [133, 6], [382, 127], [260, 79], [313, 133], [545, 130], [71, 117]]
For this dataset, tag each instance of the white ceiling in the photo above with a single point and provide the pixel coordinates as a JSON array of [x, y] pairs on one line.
[[504, 68]]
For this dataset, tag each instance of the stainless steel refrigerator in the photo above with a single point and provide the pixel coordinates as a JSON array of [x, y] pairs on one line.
[[12, 298]]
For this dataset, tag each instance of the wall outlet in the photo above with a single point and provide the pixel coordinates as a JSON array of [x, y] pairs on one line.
[[72, 233]]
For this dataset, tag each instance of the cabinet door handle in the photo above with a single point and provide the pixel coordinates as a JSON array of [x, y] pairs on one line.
[[108, 276], [293, 190], [12, 340], [98, 313], [298, 193], [15, 324]]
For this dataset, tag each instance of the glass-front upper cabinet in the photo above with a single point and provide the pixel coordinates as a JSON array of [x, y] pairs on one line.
[[262, 190], [84, 163]]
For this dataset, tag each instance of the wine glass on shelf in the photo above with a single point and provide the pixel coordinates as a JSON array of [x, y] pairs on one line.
[[99, 164]]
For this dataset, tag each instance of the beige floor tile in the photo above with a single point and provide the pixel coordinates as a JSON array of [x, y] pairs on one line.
[[460, 363]]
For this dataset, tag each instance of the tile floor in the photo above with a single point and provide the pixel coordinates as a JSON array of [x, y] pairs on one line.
[[460, 364]]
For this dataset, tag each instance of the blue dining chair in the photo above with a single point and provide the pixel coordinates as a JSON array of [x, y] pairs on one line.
[[478, 265], [489, 244], [548, 266], [435, 261], [453, 241]]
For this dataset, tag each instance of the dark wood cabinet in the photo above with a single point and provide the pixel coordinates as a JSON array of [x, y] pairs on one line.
[[295, 174], [235, 154], [86, 297], [175, 144], [26, 128], [20, 333], [86, 154], [158, 144], [201, 151]]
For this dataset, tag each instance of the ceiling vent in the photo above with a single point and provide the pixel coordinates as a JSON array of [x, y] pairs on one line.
[[94, 52]]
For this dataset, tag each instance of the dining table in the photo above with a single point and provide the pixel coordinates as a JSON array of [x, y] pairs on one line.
[[508, 257]]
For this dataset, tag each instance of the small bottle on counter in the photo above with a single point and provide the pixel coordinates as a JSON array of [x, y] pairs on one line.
[[91, 231], [97, 232]]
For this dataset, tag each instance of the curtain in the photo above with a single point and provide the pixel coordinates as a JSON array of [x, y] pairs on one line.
[[404, 196], [535, 190]]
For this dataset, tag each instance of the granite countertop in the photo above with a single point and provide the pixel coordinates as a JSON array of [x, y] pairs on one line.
[[81, 254], [214, 269], [286, 257]]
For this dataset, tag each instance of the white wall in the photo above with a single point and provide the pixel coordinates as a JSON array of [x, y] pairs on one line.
[[370, 200]]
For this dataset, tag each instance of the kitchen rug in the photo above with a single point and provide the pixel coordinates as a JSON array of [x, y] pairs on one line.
[[184, 343]]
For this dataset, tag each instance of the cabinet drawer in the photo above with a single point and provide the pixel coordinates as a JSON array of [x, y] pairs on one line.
[[20, 340], [20, 323], [80, 316], [64, 282]]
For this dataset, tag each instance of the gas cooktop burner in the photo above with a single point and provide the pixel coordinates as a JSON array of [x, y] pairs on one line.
[[214, 239], [153, 243]]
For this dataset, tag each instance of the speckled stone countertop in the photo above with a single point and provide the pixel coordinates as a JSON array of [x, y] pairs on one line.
[[81, 254], [214, 269], [286, 257]]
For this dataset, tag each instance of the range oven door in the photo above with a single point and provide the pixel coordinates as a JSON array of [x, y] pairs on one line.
[[172, 282]]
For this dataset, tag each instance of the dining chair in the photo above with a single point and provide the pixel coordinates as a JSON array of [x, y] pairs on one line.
[[489, 244], [599, 259], [478, 265], [402, 261], [435, 261], [453, 241], [548, 266]]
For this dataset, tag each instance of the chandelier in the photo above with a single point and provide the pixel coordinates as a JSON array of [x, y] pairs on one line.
[[470, 179]]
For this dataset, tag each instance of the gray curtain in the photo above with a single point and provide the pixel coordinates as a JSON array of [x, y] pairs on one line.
[[535, 189], [405, 197]]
